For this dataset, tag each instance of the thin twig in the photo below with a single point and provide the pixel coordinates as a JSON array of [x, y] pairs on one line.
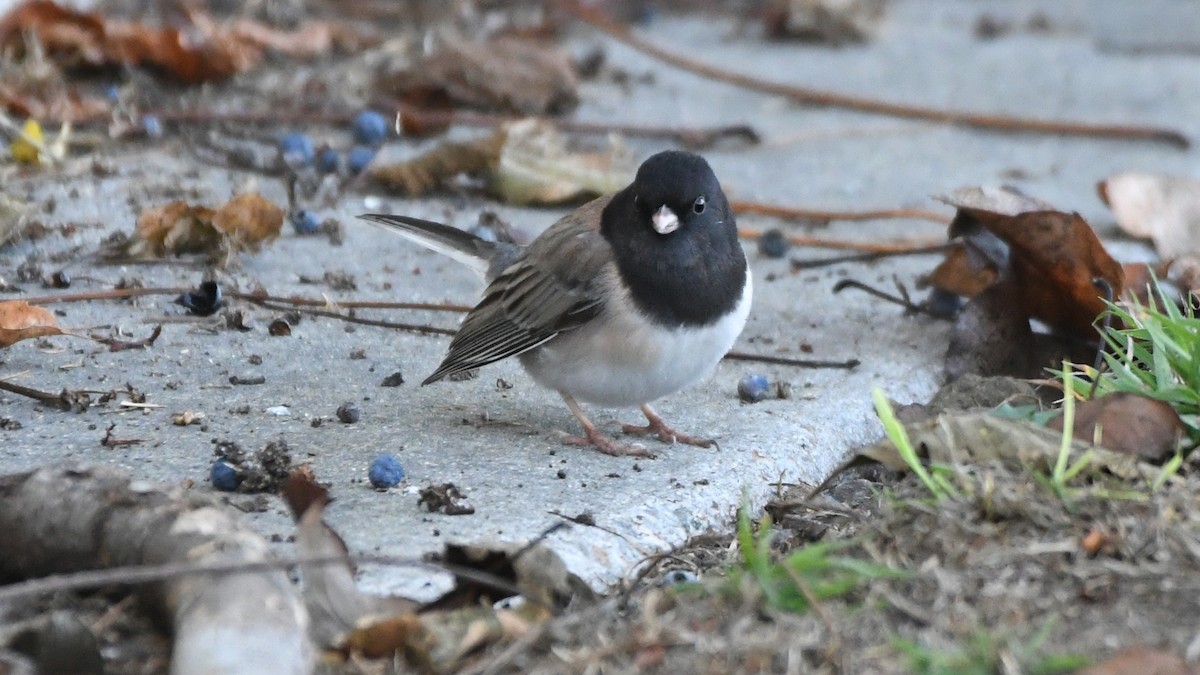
[[414, 327], [55, 400], [815, 97], [842, 244], [144, 574], [438, 119], [818, 215], [884, 295], [121, 293], [784, 361], [864, 257]]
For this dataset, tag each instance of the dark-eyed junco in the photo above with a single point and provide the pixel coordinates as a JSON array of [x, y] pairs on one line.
[[631, 297]]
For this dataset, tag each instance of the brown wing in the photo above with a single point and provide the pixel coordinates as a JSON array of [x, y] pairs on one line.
[[554, 287]]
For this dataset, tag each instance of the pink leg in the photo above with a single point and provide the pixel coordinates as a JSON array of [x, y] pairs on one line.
[[594, 438], [666, 434]]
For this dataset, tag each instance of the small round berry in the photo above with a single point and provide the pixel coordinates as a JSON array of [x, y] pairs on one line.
[[304, 221], [773, 244], [359, 158], [152, 126], [328, 160], [370, 128], [753, 388], [385, 472], [224, 476], [297, 149]]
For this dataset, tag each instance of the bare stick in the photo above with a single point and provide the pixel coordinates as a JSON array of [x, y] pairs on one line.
[[784, 361], [795, 213], [815, 97], [842, 244]]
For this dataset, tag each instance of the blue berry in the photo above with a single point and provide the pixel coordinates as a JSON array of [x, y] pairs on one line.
[[224, 476], [753, 388], [304, 221], [385, 472], [296, 148], [370, 128], [358, 159], [773, 244], [113, 93], [152, 126], [328, 160]]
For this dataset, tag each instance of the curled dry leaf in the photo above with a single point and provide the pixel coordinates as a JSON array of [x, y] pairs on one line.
[[504, 75], [244, 222], [20, 320], [1129, 423], [201, 51], [1165, 209], [1056, 260], [524, 162]]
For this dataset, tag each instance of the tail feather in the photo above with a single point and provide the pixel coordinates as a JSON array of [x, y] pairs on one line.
[[466, 248]]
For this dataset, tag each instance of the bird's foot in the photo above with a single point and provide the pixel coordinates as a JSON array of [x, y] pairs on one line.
[[658, 427], [607, 445]]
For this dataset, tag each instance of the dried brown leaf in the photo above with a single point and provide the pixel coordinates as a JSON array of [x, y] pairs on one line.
[[1129, 423], [830, 21], [1165, 209], [178, 228], [249, 219], [537, 167], [202, 51], [425, 173], [21, 321], [504, 75]]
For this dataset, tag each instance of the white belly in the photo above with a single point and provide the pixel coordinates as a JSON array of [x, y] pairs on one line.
[[621, 359]]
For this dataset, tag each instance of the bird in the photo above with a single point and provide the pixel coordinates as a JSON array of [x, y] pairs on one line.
[[627, 299]]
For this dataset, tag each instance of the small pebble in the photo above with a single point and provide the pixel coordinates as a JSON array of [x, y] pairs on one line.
[[773, 244], [385, 472], [753, 388], [348, 413], [224, 476], [394, 380], [279, 411], [676, 577], [370, 128]]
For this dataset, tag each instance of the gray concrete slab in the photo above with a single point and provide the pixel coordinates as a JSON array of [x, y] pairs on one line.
[[499, 444]]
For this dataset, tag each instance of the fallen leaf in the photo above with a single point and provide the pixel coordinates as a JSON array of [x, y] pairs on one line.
[[1055, 259], [249, 219], [203, 50], [505, 75], [526, 162], [536, 167], [21, 321], [177, 228], [1142, 660], [963, 272], [24, 148], [1164, 209], [1129, 423]]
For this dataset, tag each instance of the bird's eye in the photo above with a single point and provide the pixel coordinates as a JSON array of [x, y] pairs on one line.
[[699, 204]]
